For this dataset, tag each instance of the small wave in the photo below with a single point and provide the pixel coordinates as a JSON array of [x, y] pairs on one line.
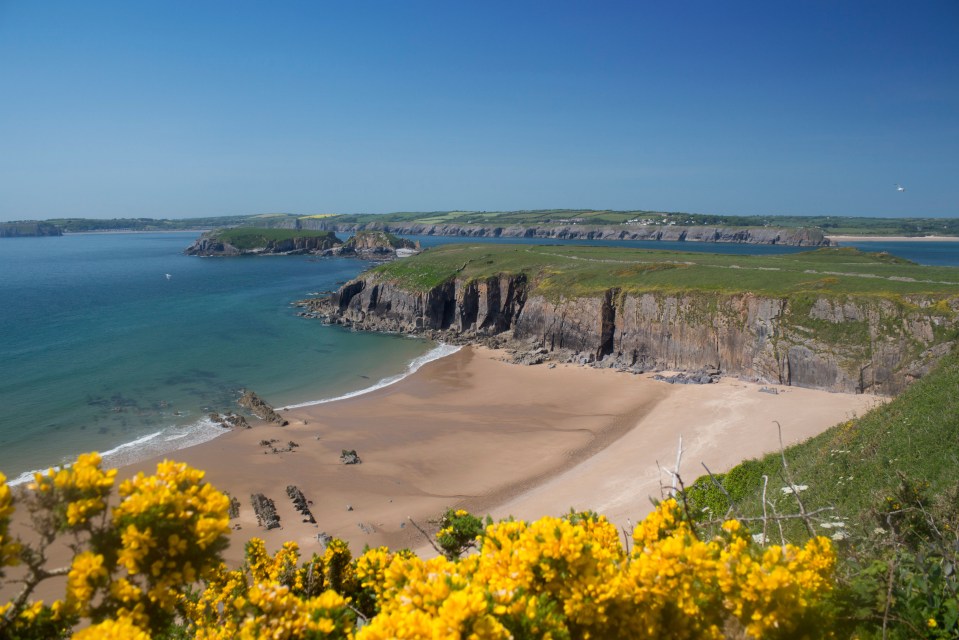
[[439, 351], [158, 443], [170, 439]]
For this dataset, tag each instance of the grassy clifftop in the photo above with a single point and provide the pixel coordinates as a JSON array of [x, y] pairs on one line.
[[583, 271], [245, 238]]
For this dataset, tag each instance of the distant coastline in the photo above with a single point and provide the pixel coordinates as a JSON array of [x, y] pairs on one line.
[[892, 238]]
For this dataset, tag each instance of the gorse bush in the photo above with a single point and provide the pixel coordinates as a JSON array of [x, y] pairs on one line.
[[149, 566]]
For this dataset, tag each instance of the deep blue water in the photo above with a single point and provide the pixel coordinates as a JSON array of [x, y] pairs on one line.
[[99, 350]]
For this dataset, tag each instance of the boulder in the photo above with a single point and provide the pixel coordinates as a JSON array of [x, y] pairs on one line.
[[349, 456]]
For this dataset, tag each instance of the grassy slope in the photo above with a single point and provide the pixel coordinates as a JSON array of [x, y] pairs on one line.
[[856, 464], [583, 271], [251, 238]]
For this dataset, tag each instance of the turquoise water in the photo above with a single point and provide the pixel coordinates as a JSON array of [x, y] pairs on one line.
[[99, 349]]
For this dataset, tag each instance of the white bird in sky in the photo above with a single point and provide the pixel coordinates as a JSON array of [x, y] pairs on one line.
[[899, 187], [168, 276]]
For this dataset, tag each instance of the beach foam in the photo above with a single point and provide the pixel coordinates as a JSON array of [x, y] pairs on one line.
[[157, 443], [439, 351]]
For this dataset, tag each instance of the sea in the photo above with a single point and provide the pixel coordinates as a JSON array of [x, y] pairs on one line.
[[120, 343]]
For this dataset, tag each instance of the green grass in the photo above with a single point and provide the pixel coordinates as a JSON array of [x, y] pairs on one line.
[[245, 238], [855, 465], [384, 238], [585, 271]]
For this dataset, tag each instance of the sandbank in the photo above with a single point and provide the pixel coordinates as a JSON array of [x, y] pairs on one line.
[[473, 431]]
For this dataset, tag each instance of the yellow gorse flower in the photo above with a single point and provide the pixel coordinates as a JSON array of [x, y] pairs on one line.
[[567, 577]]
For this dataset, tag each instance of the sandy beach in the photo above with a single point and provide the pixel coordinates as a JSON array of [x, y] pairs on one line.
[[472, 431]]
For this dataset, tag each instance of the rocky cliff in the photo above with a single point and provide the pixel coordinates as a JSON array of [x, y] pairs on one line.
[[376, 245], [743, 235], [212, 244], [28, 229], [863, 344]]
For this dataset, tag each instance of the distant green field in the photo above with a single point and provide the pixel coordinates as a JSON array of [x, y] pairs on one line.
[[580, 271], [835, 225]]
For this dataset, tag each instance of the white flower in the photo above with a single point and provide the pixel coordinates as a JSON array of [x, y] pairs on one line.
[[798, 487]]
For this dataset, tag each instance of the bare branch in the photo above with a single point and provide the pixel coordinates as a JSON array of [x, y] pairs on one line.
[[428, 537], [679, 457], [719, 485], [788, 478], [776, 517], [765, 518]]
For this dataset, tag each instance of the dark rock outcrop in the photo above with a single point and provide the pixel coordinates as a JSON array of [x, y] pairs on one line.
[[260, 409], [265, 510], [300, 503], [697, 377], [865, 344], [349, 456], [376, 245], [230, 420]]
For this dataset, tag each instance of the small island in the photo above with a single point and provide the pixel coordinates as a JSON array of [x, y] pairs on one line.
[[245, 241]]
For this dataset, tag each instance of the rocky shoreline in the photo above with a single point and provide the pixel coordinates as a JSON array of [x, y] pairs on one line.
[[758, 338], [671, 233], [366, 245]]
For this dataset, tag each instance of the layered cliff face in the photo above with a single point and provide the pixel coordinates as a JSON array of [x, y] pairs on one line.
[[764, 235], [864, 344]]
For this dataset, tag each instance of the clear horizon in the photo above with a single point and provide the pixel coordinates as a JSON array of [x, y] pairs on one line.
[[183, 110]]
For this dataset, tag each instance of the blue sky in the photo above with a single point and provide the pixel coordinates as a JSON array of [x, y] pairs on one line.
[[181, 109]]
